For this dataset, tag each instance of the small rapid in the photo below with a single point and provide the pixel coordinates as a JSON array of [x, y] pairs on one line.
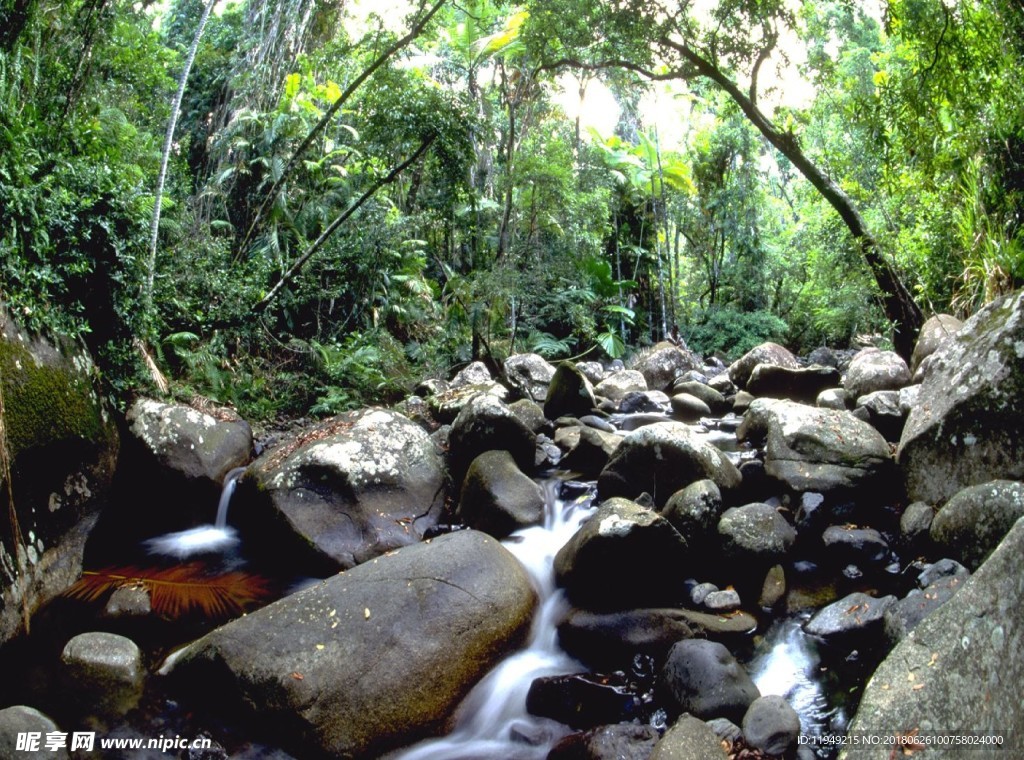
[[492, 721], [204, 539]]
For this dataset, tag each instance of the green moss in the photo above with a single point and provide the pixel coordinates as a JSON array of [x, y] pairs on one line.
[[46, 402]]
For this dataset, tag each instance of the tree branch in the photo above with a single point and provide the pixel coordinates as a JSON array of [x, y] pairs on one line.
[[333, 226]]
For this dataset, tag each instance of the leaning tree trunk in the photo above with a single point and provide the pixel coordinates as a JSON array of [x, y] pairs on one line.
[[154, 228]]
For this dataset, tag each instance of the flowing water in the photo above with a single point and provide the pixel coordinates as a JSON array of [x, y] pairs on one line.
[[493, 721], [204, 539]]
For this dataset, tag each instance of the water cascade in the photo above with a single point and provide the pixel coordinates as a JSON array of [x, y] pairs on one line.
[[493, 721], [203, 539]]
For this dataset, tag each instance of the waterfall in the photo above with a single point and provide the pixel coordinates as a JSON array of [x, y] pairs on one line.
[[492, 721], [204, 539]]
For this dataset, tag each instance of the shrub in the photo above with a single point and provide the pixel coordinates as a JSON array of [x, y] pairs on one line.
[[733, 333]]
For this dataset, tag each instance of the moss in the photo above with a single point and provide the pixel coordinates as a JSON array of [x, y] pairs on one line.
[[46, 402]]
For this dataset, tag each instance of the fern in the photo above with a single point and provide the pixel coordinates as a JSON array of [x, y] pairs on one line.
[[177, 591]]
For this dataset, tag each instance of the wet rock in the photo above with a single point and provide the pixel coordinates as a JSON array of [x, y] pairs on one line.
[[531, 374], [623, 741], [703, 678], [823, 450], [700, 592], [589, 453], [362, 484], [532, 416], [796, 384], [688, 408], [689, 739], [855, 617], [715, 401], [497, 498], [103, 671], [643, 401], [722, 601], [773, 590], [663, 363], [630, 422], [767, 353], [18, 721], [624, 556], [973, 522], [915, 523], [863, 547], [446, 406], [661, 459], [583, 700], [873, 370], [598, 423], [959, 671], [771, 725], [128, 602], [834, 398], [907, 613], [755, 535], [487, 424], [935, 332], [729, 629], [609, 641], [474, 373], [618, 384], [968, 426], [63, 446], [374, 658], [944, 568]]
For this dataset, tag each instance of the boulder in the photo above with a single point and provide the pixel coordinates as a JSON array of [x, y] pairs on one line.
[[689, 739], [714, 400], [583, 700], [771, 725], [688, 408], [767, 353], [497, 498], [694, 511], [968, 425], [663, 363], [864, 547], [935, 333], [873, 370], [623, 556], [609, 641], [854, 620], [474, 373], [354, 487], [755, 535], [622, 741], [16, 722], [643, 401], [833, 398], [663, 458], [375, 658], [959, 672], [589, 453], [62, 445], [907, 613], [823, 450], [799, 384], [824, 356], [882, 410], [531, 374], [702, 678], [616, 385], [915, 523], [486, 424], [103, 671], [445, 407], [569, 393], [531, 414], [971, 524], [593, 371]]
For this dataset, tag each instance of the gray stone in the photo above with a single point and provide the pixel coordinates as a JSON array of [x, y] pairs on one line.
[[618, 384], [883, 413], [487, 424], [623, 556], [694, 511], [663, 363], [968, 426], [620, 741], [773, 590], [374, 658], [714, 400], [661, 459], [722, 601], [959, 671], [916, 522], [755, 535], [589, 453], [771, 725], [742, 401], [689, 739], [63, 446], [569, 393], [531, 415], [445, 407], [530, 373], [365, 482], [608, 641], [863, 547], [873, 370], [854, 617], [723, 384], [643, 401], [103, 671], [973, 522], [704, 679], [497, 498], [943, 568], [907, 613], [593, 371], [766, 353], [796, 384], [824, 356], [474, 373], [833, 398], [700, 592], [688, 408], [128, 602], [20, 720], [935, 332]]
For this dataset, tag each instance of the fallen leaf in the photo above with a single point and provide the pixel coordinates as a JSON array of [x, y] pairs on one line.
[[297, 676], [918, 687]]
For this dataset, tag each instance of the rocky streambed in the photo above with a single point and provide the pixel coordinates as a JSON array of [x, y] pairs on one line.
[[671, 559]]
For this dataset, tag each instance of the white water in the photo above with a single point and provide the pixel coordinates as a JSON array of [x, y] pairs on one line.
[[204, 539], [492, 721]]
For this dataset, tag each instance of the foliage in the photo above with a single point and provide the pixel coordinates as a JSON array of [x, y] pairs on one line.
[[731, 333]]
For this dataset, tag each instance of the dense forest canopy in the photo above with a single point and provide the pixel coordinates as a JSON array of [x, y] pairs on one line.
[[344, 197]]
